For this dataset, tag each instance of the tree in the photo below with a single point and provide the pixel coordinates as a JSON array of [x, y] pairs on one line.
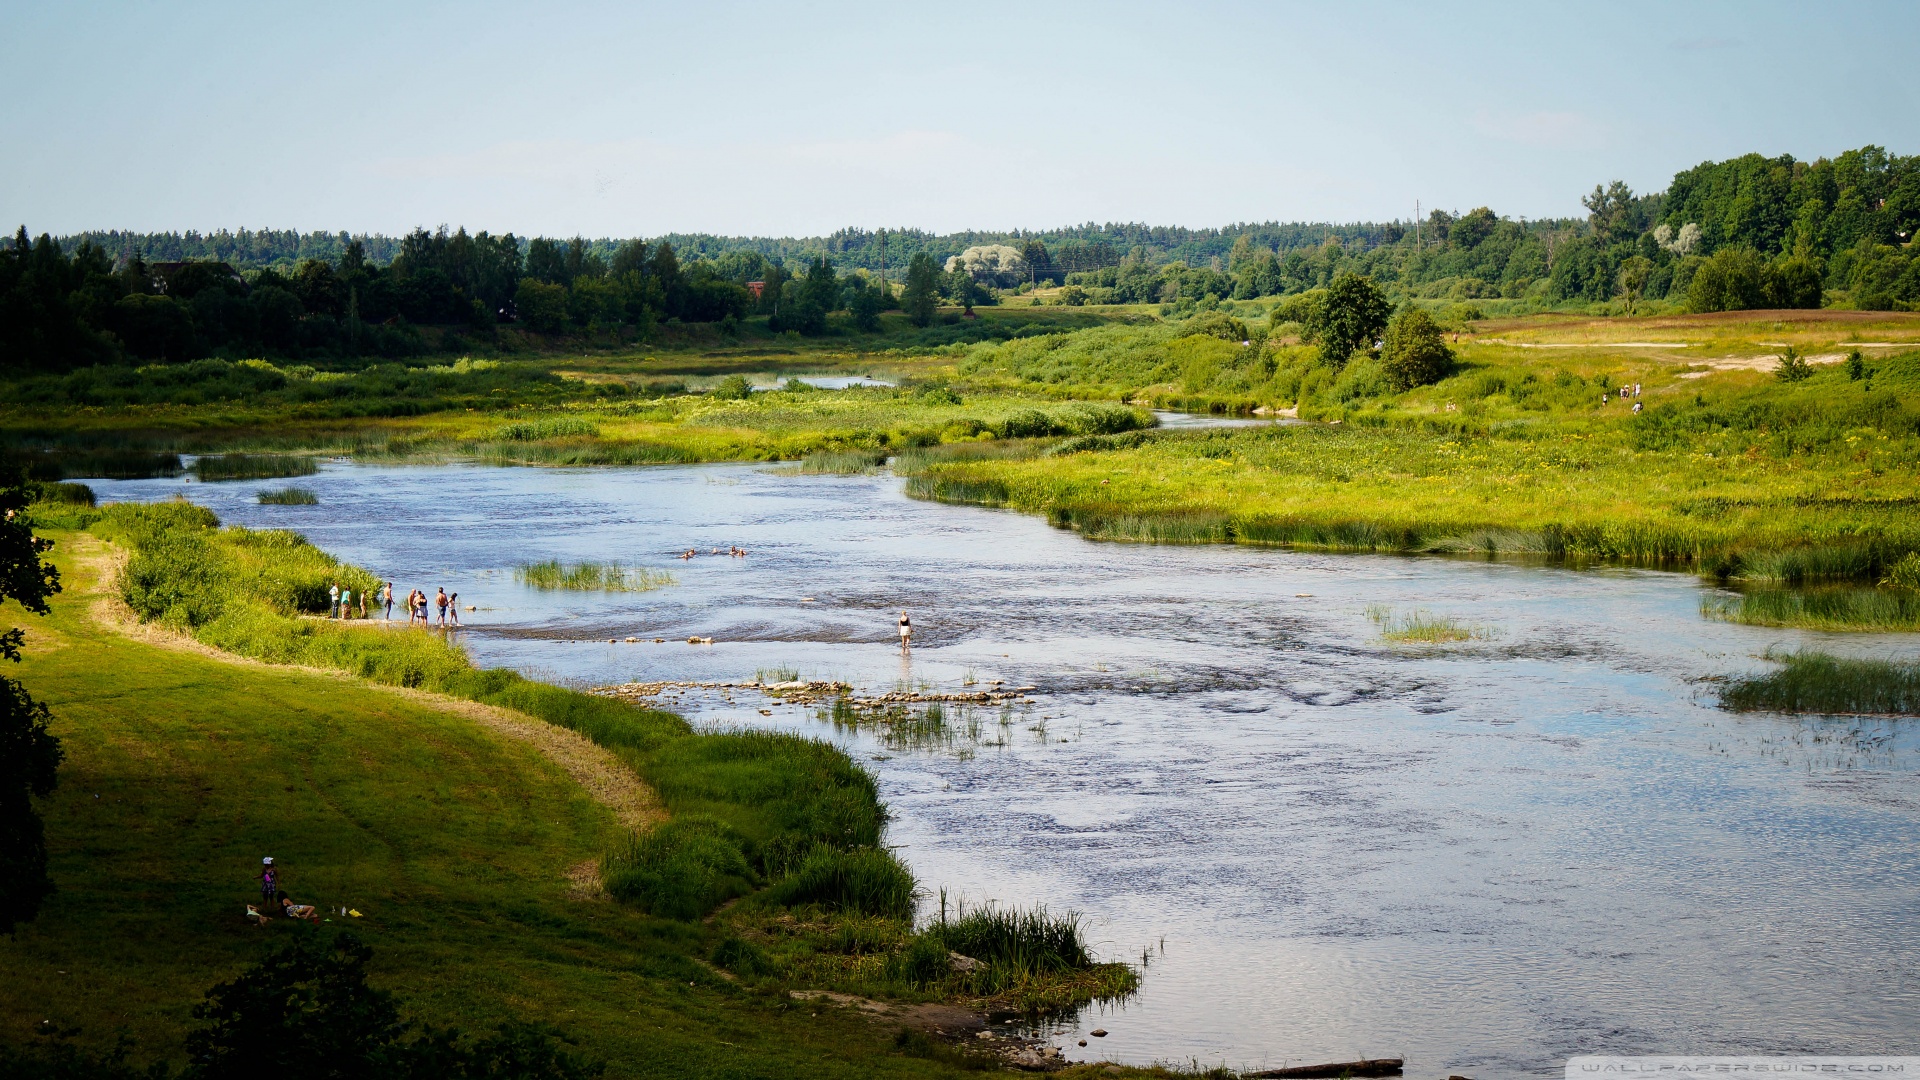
[[1350, 318], [1415, 354], [541, 307], [1633, 279], [1731, 279], [29, 753], [920, 296], [865, 305]]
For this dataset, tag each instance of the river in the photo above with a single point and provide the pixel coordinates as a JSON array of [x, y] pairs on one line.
[[1483, 856]]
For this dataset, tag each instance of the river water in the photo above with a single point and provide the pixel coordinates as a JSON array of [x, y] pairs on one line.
[[1483, 857]]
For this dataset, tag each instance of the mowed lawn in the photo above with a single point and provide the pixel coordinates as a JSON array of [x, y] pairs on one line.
[[183, 770]]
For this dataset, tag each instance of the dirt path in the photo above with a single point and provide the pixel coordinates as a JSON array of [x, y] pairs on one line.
[[605, 777]]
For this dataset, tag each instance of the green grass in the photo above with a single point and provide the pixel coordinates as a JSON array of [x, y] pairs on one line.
[[1424, 628], [454, 842], [1812, 682], [843, 462], [293, 496], [591, 577]]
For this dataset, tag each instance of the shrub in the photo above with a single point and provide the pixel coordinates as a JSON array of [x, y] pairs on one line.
[[732, 388], [924, 962], [1415, 354]]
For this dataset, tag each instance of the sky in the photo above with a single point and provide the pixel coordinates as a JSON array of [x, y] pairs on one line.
[[640, 119]]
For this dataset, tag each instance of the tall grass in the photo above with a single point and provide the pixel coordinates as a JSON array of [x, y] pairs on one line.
[[214, 468], [1831, 607], [863, 882], [591, 577], [550, 427], [1424, 628], [843, 462], [679, 870], [1028, 942], [1812, 682], [293, 496]]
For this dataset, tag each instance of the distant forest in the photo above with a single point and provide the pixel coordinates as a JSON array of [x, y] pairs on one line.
[[1748, 232]]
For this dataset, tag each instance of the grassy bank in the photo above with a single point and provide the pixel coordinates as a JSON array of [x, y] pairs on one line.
[[789, 824]]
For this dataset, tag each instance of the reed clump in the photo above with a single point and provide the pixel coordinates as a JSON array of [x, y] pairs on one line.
[[591, 577], [215, 468], [1424, 628], [1815, 682], [1830, 607], [843, 462], [293, 496]]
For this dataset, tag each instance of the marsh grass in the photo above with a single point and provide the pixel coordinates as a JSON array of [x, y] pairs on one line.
[[550, 427], [1424, 628], [1829, 607], [843, 462], [293, 496], [782, 674], [591, 577], [215, 468], [1812, 682], [861, 882]]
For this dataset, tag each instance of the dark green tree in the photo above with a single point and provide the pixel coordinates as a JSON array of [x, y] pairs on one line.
[[29, 753], [922, 292], [865, 303], [1350, 318], [1415, 353]]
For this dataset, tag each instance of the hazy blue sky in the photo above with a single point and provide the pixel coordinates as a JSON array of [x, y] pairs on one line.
[[798, 119]]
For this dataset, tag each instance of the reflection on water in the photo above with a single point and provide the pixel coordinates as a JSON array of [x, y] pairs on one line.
[[1484, 854]]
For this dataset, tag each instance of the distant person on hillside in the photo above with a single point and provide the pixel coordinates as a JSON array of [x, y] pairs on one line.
[[333, 601], [906, 631], [298, 911]]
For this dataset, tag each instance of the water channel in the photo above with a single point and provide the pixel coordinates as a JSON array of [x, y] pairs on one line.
[[1483, 856]]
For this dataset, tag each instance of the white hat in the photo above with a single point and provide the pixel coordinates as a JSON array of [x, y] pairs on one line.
[[268, 861]]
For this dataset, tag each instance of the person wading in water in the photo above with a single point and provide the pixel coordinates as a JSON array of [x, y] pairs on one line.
[[906, 631]]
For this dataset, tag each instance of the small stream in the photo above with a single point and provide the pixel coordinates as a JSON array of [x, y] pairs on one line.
[[1483, 857]]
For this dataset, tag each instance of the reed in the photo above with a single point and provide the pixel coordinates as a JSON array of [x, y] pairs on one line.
[[591, 577], [1424, 628], [1026, 942], [215, 468], [293, 496], [843, 462], [549, 427], [1833, 607], [1813, 682]]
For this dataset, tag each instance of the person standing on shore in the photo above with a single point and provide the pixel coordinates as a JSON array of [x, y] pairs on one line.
[[906, 631], [440, 599], [453, 607], [386, 597], [333, 601]]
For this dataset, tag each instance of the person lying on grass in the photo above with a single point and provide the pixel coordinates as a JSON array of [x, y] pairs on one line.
[[298, 911]]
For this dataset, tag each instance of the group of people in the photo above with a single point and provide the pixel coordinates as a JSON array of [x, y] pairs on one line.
[[341, 604], [275, 902], [736, 552], [1627, 390]]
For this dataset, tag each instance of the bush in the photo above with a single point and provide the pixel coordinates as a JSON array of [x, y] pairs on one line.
[[1415, 354], [681, 869], [732, 388], [864, 882]]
